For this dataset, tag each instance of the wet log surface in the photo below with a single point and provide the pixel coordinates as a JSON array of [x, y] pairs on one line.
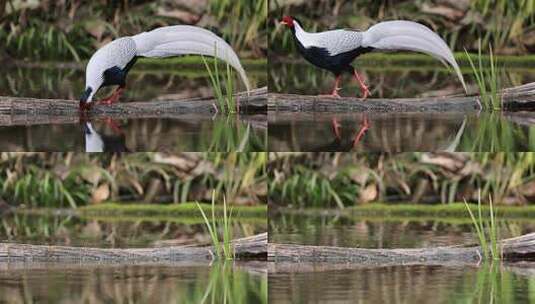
[[517, 98], [516, 249], [253, 248], [255, 102], [256, 248]]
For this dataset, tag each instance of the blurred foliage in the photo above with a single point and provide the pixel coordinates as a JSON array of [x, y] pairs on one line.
[[73, 30], [348, 179], [508, 25], [71, 179]]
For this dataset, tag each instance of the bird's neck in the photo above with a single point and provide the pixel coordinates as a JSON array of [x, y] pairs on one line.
[[305, 38], [298, 30]]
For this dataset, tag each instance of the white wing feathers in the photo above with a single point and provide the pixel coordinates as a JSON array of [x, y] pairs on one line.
[[411, 36], [184, 39]]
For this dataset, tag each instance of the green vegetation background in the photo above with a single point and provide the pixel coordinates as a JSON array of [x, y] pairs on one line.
[[73, 30], [63, 180], [341, 180], [508, 25]]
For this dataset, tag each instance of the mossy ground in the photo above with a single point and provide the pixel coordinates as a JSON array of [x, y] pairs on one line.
[[455, 210], [455, 213], [186, 210]]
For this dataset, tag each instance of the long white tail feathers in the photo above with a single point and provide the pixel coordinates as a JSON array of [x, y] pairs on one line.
[[187, 40], [410, 36]]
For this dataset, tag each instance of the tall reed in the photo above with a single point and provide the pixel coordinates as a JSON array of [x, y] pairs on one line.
[[487, 230], [213, 225], [487, 79], [223, 88]]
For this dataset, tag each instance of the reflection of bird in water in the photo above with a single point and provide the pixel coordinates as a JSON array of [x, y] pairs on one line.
[[390, 133], [335, 50], [111, 63], [96, 142], [457, 139], [364, 126]]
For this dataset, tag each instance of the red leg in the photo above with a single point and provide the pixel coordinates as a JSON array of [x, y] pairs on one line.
[[114, 97], [113, 125], [363, 88], [336, 88], [364, 126], [336, 128]]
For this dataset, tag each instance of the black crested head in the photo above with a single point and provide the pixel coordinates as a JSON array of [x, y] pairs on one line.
[[84, 106], [85, 95]]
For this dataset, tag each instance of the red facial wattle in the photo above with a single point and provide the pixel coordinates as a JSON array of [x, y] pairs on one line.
[[288, 21]]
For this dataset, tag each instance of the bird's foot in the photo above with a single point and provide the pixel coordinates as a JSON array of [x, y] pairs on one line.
[[364, 126], [113, 98], [336, 128], [365, 92], [334, 94], [108, 101]]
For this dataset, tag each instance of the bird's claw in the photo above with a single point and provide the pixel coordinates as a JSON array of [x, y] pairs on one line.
[[107, 101], [114, 97], [365, 92], [334, 93]]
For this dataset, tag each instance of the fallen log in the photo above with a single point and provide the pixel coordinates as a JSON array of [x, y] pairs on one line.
[[254, 247], [308, 103], [517, 98], [515, 249], [255, 102]]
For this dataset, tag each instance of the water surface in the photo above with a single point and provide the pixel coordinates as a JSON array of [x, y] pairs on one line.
[[399, 132], [182, 283], [403, 284], [315, 228], [187, 133], [114, 232], [347, 283]]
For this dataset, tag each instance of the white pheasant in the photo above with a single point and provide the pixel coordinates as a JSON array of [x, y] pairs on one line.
[[111, 63], [335, 50]]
